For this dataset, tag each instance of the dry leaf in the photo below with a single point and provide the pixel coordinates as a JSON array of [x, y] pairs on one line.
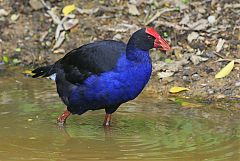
[[14, 17], [36, 4], [177, 89], [43, 36], [192, 36], [199, 25], [70, 24], [27, 72], [132, 9], [55, 18], [60, 27], [197, 59], [68, 9], [58, 30], [165, 74], [87, 11], [185, 20], [59, 51], [60, 40], [3, 12], [220, 45], [226, 70], [158, 14], [190, 105]]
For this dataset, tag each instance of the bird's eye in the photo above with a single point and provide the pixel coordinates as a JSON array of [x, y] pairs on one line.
[[149, 37]]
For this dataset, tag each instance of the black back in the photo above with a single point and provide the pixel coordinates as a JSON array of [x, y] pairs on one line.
[[93, 58]]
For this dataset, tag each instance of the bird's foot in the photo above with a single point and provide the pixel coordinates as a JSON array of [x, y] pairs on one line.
[[62, 118], [107, 120]]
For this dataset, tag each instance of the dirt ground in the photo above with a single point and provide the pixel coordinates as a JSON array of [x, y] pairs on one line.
[[204, 36]]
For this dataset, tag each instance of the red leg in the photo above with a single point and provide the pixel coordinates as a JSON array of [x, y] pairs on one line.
[[62, 118], [107, 120]]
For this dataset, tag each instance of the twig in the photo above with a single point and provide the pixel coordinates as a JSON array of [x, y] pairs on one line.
[[111, 9], [87, 11], [159, 13], [101, 8], [219, 55], [55, 18], [170, 24], [60, 40], [232, 6], [45, 5], [235, 60]]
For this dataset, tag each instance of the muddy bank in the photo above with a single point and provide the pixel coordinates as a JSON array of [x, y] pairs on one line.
[[204, 37]]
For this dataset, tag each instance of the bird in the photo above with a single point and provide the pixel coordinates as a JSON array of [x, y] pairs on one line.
[[103, 74]]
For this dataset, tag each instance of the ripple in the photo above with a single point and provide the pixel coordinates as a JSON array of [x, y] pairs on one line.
[[145, 129]]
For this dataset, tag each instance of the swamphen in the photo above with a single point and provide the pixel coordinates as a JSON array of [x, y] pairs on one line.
[[104, 74]]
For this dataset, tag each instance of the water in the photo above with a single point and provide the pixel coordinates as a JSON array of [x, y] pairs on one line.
[[145, 129]]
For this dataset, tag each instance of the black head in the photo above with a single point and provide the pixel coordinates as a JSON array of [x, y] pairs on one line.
[[148, 38]]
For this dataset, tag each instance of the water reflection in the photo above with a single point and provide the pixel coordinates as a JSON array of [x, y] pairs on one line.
[[145, 129]]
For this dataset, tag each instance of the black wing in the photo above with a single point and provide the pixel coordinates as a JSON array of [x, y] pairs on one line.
[[93, 58]]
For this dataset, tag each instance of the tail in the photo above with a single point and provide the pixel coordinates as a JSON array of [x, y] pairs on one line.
[[44, 71]]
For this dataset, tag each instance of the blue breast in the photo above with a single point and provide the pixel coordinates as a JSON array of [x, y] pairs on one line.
[[125, 82]]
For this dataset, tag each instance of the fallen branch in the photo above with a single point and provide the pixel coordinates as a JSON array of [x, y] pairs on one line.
[[101, 8], [219, 55], [54, 17], [159, 13], [45, 5], [118, 28], [170, 24], [235, 60]]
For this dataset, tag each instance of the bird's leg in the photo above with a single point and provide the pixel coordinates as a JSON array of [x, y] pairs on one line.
[[62, 118], [108, 117], [107, 120]]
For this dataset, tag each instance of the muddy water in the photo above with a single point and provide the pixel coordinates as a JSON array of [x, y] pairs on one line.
[[145, 129]]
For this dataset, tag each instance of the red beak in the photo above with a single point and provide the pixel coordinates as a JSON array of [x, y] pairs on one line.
[[161, 44]]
